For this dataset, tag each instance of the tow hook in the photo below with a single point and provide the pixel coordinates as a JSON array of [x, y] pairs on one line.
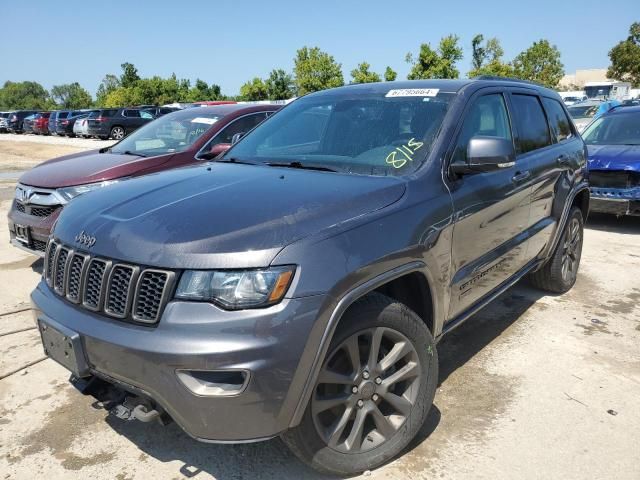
[[134, 408]]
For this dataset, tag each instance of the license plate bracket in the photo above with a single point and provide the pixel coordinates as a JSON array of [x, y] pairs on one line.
[[64, 346], [22, 234]]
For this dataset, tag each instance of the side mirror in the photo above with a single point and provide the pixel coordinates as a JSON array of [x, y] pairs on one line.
[[486, 154], [217, 149], [236, 138]]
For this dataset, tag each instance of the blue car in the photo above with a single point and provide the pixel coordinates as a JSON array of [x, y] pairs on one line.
[[613, 141]]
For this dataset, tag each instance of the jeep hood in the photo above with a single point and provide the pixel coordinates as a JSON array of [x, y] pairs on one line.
[[614, 157], [220, 215], [88, 167]]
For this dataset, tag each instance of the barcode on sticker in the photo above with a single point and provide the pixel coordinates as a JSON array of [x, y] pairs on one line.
[[413, 92]]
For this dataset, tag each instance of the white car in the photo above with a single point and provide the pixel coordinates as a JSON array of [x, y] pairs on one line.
[[80, 128]]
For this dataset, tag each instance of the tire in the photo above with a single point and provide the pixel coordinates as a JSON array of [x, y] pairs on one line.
[[117, 133], [382, 437], [559, 274]]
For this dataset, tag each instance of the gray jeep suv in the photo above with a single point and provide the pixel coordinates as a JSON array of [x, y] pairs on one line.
[[299, 284]]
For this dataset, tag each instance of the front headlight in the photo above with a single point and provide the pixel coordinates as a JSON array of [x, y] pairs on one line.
[[236, 289], [71, 192]]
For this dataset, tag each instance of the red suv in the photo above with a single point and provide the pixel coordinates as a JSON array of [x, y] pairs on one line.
[[41, 123], [173, 140]]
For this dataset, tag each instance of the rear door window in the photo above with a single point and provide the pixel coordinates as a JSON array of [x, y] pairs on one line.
[[558, 120], [132, 113], [533, 131]]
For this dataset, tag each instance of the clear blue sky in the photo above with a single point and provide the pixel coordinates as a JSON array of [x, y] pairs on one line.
[[228, 42]]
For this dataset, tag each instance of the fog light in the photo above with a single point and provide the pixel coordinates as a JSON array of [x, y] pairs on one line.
[[214, 383]]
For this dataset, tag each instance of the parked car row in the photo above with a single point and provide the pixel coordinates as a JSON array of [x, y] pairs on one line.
[[114, 123]]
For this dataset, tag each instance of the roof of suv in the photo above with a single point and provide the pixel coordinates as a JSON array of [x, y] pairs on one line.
[[445, 85]]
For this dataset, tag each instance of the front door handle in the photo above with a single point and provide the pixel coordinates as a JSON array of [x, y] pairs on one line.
[[563, 160], [520, 177]]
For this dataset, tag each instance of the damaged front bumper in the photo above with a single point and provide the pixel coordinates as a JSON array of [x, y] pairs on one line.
[[615, 201]]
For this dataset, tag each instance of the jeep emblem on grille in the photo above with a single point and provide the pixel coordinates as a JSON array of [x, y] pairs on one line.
[[84, 239]]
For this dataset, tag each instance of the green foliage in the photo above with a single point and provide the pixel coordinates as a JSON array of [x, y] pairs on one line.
[[540, 63], [436, 64], [280, 85], [362, 74], [625, 58], [129, 75], [71, 96], [478, 52], [108, 84], [24, 96], [487, 59], [254, 89], [390, 75], [201, 91], [316, 70]]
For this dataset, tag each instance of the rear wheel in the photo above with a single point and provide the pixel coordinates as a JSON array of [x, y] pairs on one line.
[[559, 274], [117, 133], [373, 392]]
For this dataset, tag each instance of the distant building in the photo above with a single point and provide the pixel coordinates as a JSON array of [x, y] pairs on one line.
[[578, 79], [595, 84]]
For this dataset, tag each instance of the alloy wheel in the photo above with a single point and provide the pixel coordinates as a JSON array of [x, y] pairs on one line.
[[572, 249], [117, 133], [366, 390]]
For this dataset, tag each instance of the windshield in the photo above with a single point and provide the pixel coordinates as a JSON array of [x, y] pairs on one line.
[[170, 133], [619, 129], [388, 133], [583, 111]]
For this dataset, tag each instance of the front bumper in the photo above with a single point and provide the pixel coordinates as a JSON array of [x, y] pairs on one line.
[[39, 229], [268, 343], [615, 201]]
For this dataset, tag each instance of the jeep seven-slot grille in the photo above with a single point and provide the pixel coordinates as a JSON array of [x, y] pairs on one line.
[[118, 290]]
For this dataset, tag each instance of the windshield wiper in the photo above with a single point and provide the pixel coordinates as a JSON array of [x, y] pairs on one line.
[[237, 160], [129, 152], [305, 166]]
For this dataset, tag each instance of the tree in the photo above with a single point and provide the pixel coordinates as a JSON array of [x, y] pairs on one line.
[[362, 74], [24, 96], [129, 75], [625, 58], [254, 89], [108, 84], [390, 75], [280, 85], [479, 53], [487, 59], [316, 70], [436, 64], [540, 63], [71, 96]]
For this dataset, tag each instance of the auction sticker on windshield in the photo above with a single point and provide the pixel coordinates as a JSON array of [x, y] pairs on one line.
[[208, 121], [413, 92]]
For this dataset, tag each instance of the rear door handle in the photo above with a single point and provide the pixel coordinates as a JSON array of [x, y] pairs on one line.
[[520, 177]]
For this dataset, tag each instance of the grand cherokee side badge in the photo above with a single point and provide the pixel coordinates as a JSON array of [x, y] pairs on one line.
[[84, 239]]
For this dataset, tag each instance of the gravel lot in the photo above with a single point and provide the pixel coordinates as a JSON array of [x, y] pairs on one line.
[[534, 386]]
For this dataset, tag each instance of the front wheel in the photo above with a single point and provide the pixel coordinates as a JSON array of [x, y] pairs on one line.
[[117, 133], [373, 392], [559, 274]]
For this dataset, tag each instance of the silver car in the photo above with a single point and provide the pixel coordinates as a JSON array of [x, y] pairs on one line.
[[80, 128]]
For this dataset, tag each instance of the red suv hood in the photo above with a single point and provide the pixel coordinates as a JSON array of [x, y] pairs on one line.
[[88, 167]]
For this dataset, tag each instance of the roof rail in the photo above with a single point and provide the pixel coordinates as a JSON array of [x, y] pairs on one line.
[[507, 79]]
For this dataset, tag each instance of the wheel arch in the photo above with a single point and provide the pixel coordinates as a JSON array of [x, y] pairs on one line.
[[405, 283]]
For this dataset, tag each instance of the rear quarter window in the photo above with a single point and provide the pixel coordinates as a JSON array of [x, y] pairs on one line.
[[558, 119]]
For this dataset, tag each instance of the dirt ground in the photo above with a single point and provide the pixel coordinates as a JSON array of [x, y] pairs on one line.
[[534, 386]]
